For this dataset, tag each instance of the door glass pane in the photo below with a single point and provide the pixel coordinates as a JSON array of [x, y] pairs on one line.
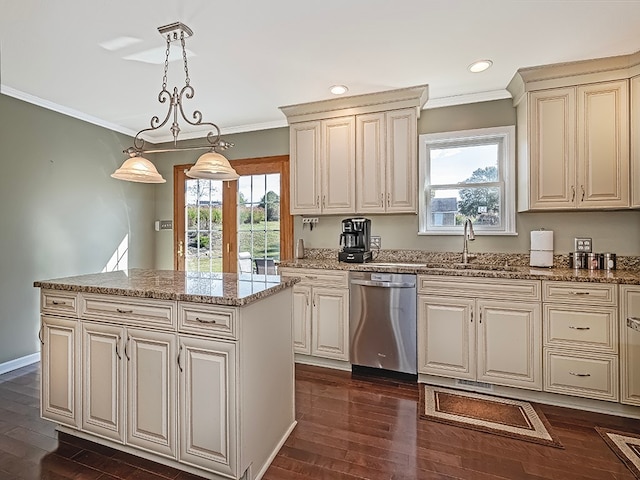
[[203, 205], [258, 223]]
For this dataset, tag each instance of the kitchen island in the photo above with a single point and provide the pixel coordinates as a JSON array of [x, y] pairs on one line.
[[189, 369]]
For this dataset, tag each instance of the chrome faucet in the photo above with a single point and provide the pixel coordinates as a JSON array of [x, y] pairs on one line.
[[468, 235]]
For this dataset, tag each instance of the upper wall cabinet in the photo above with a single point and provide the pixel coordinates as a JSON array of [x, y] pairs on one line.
[[355, 154], [573, 136], [386, 164], [635, 141]]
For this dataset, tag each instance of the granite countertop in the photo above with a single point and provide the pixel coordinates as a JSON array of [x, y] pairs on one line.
[[201, 287], [484, 270]]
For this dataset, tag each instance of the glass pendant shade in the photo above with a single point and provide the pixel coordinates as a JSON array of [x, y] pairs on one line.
[[213, 166], [138, 169]]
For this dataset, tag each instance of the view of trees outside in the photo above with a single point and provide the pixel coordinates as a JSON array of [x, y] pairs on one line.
[[464, 184], [258, 222]]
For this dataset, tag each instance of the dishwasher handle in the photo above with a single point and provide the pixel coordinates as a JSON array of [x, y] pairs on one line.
[[374, 283]]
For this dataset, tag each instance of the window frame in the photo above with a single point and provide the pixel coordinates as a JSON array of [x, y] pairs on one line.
[[506, 139]]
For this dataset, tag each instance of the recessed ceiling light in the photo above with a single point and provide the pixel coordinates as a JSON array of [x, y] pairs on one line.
[[480, 66], [338, 89]]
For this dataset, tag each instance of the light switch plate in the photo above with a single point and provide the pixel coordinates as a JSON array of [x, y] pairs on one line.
[[582, 244]]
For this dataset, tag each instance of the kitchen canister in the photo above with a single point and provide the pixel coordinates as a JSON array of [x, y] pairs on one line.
[[577, 260], [609, 261], [594, 261]]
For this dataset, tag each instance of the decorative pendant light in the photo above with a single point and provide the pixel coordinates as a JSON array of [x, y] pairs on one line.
[[211, 165]]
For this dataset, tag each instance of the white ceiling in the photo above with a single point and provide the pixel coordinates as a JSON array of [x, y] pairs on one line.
[[252, 56]]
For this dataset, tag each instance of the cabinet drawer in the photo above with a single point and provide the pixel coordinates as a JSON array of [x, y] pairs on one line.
[[592, 328], [59, 302], [574, 373], [207, 320], [494, 288], [128, 310], [309, 276], [580, 292]]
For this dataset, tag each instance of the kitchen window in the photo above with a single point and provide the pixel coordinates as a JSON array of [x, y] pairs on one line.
[[468, 174]]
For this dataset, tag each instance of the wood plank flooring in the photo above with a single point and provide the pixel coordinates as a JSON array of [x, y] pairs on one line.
[[349, 427]]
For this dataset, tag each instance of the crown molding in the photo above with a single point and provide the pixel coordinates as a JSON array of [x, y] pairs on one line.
[[358, 104], [477, 97]]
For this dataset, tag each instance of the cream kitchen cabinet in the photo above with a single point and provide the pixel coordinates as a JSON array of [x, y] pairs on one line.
[[129, 386], [208, 398], [482, 330], [635, 141], [60, 399], [323, 166], [386, 162], [321, 312], [199, 386], [629, 345], [574, 147], [326, 136], [581, 339]]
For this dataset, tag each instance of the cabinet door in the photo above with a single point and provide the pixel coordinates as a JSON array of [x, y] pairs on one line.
[[446, 337], [60, 397], [629, 346], [635, 141], [337, 160], [302, 319], [370, 163], [151, 391], [330, 323], [510, 343], [552, 148], [102, 380], [603, 145], [304, 139], [207, 399], [402, 161]]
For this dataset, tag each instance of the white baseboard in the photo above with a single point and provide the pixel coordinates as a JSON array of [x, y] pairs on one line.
[[19, 362]]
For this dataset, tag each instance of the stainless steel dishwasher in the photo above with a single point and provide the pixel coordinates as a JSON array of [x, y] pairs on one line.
[[383, 321]]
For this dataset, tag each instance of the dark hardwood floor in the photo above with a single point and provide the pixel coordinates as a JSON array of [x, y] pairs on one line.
[[348, 428]]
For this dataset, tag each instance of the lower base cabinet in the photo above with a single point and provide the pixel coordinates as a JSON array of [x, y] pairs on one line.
[[480, 339], [629, 345], [207, 404], [60, 398], [198, 392], [320, 313], [581, 339]]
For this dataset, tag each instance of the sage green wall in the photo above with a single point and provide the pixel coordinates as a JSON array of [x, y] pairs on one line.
[[262, 143], [611, 231], [60, 212]]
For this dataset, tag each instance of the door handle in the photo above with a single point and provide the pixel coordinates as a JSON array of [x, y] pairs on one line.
[[40, 335], [582, 187], [126, 353], [117, 350], [180, 248], [179, 354], [573, 193]]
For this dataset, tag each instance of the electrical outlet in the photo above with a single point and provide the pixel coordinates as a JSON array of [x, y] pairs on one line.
[[309, 219], [582, 244], [376, 242]]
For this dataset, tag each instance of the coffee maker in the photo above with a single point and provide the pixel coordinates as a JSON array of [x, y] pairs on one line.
[[355, 240]]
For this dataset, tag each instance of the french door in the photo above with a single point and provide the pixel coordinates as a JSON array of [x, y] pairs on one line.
[[240, 226]]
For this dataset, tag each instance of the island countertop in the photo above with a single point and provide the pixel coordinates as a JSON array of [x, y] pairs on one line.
[[200, 287]]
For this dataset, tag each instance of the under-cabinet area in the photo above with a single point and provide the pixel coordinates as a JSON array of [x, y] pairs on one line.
[[203, 387]]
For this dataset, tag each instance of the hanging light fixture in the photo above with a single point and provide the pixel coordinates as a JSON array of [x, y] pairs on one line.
[[211, 165]]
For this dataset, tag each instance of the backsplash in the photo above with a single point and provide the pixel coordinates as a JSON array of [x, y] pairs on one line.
[[420, 256]]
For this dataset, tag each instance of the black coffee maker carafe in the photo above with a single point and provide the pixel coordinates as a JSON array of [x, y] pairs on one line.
[[355, 240]]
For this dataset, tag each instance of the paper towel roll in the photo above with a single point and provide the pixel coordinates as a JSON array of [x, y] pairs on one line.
[[542, 240], [541, 258]]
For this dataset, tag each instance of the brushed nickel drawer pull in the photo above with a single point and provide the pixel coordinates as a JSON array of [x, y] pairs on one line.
[[198, 319], [120, 310], [580, 374], [579, 328], [56, 302], [572, 292]]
